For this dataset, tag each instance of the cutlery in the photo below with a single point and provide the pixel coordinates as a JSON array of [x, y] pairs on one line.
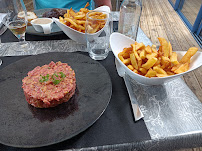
[[136, 110]]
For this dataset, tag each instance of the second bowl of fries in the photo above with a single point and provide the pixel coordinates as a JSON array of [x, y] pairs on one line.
[[150, 66], [73, 23]]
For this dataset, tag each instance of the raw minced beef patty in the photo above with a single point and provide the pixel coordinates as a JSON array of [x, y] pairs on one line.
[[49, 85]]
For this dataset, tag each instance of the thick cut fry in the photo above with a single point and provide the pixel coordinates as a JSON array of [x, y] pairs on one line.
[[143, 70], [149, 63], [170, 73], [133, 61], [151, 55], [148, 49], [165, 46], [120, 57], [165, 62], [139, 63], [182, 68], [138, 46], [161, 75], [188, 55], [175, 67], [151, 73], [173, 58], [137, 56], [127, 61], [143, 54], [138, 52], [158, 62], [139, 60], [126, 55], [170, 49], [126, 52], [154, 51], [159, 70], [130, 67], [135, 71]]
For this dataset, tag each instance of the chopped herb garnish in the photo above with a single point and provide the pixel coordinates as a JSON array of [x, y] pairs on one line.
[[54, 77], [55, 82], [62, 75], [44, 78], [55, 74]]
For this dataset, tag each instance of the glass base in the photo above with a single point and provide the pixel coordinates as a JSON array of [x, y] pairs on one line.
[[98, 54], [97, 57]]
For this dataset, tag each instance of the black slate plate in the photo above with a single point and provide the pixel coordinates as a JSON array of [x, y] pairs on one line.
[[25, 126], [55, 29]]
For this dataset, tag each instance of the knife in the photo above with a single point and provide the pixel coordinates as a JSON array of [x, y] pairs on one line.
[[136, 110]]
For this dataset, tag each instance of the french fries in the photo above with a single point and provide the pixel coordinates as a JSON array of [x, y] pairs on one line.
[[150, 62], [77, 20]]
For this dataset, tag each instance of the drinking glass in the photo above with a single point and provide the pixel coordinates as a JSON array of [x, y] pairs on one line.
[[16, 21], [98, 30]]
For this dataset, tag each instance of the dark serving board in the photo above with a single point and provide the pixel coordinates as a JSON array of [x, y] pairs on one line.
[[23, 125]]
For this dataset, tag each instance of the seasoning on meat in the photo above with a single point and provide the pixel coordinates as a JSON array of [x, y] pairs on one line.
[[49, 85]]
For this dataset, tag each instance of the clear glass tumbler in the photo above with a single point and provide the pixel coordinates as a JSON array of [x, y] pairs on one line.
[[98, 29]]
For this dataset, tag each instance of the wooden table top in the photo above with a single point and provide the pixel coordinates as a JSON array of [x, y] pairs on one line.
[[159, 19]]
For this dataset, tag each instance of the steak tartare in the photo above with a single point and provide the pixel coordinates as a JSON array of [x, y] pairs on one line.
[[49, 85]]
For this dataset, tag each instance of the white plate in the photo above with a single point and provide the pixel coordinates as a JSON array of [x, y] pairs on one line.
[[119, 41], [74, 34]]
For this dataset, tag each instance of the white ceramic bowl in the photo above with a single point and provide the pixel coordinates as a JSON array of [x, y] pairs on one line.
[[39, 27], [119, 41], [76, 35]]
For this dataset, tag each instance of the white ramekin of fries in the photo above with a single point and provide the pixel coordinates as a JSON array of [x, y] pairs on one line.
[[73, 23], [150, 66]]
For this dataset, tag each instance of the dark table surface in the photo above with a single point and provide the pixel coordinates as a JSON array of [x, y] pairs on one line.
[[115, 126]]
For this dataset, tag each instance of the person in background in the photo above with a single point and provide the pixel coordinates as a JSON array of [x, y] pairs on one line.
[[75, 4]]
